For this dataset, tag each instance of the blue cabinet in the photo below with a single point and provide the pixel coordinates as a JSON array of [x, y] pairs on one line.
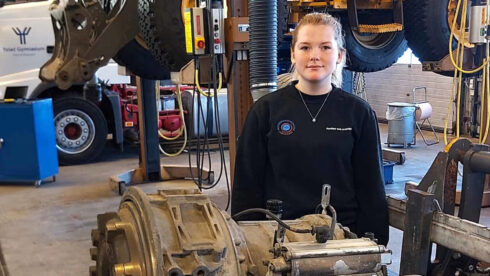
[[27, 141]]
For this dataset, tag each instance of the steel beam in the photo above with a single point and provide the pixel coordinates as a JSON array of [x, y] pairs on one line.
[[469, 238], [416, 236]]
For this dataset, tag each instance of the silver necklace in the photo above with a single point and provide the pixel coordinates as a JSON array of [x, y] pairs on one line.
[[313, 118]]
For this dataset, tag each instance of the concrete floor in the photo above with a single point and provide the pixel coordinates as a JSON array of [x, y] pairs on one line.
[[46, 231]]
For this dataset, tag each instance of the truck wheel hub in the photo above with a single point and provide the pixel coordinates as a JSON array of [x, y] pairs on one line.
[[373, 41], [75, 131]]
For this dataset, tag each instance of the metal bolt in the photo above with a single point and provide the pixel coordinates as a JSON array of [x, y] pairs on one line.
[[60, 131], [62, 125], [63, 75], [93, 253], [126, 269], [63, 139], [82, 123], [68, 120], [78, 143], [85, 130], [95, 237], [471, 267], [119, 270], [70, 143], [75, 119], [84, 137], [112, 226]]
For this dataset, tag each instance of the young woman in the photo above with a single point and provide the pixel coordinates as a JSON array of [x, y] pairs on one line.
[[312, 133]]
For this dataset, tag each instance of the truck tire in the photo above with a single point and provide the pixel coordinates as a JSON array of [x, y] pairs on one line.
[[163, 30], [141, 62], [427, 29], [81, 130], [372, 52]]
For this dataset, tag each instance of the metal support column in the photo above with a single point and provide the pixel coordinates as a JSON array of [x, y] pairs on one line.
[[238, 83], [473, 182], [148, 125], [416, 244]]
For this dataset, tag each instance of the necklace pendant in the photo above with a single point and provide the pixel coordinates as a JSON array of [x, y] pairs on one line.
[[313, 120]]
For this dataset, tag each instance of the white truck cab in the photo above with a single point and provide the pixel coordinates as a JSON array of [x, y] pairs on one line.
[[82, 119]]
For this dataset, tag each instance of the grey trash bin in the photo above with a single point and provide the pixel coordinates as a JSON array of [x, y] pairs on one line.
[[401, 124]]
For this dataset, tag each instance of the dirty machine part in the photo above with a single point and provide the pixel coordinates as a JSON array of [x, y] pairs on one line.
[[3, 265], [180, 232]]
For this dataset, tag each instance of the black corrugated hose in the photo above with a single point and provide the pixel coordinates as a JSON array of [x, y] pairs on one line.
[[263, 47]]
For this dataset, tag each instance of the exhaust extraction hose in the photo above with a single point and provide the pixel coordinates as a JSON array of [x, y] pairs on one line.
[[263, 47]]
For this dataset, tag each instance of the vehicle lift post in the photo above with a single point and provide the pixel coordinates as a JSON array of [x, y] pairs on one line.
[[150, 169]]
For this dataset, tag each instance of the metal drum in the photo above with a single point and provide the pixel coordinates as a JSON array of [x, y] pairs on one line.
[[401, 124]]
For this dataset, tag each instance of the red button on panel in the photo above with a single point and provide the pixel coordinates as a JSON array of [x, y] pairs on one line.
[[200, 44], [217, 41]]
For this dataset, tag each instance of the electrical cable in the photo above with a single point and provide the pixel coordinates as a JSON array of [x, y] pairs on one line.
[[203, 143], [487, 94], [462, 32], [450, 104], [274, 217], [192, 121], [216, 63], [182, 148], [486, 90], [200, 112], [333, 224], [181, 110], [458, 71], [218, 130], [196, 75], [482, 102]]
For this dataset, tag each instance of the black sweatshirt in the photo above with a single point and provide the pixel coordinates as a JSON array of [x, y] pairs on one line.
[[282, 154]]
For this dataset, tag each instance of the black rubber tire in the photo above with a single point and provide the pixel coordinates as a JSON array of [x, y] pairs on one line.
[[426, 28], [363, 59], [427, 31], [136, 58], [163, 30], [141, 62], [73, 101]]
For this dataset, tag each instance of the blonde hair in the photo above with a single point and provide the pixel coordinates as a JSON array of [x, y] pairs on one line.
[[328, 20]]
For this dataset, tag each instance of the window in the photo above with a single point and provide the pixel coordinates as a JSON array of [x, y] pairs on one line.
[[408, 58]]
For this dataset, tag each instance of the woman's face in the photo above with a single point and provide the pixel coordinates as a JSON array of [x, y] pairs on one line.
[[316, 54]]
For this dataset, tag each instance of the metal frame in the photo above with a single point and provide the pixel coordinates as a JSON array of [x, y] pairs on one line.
[[73, 59], [422, 215]]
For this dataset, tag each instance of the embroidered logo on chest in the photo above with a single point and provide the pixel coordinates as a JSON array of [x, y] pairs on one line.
[[285, 127]]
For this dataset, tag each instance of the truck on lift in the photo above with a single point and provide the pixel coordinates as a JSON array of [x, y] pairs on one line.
[[85, 112], [148, 37]]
